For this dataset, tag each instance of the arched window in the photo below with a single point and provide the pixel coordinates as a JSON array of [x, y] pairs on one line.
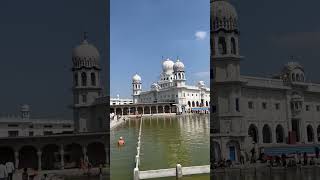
[[84, 79], [192, 103], [233, 46], [207, 103], [297, 77], [197, 104], [189, 104], [293, 77], [253, 133], [279, 134], [222, 46], [179, 76], [93, 79], [310, 134], [76, 83], [266, 132]]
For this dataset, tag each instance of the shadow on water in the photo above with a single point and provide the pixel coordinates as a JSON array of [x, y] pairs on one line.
[[166, 141]]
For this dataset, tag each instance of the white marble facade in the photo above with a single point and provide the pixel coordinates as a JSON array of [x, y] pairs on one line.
[[172, 88], [256, 111]]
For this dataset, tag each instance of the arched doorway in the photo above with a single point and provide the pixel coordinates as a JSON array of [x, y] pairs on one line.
[[118, 111], [310, 134], [233, 149], [28, 157], [140, 110], [266, 132], [253, 133], [279, 134], [146, 110], [96, 154], [132, 110], [216, 154], [167, 109], [72, 155], [160, 109], [7, 154], [125, 111], [153, 110], [51, 158]]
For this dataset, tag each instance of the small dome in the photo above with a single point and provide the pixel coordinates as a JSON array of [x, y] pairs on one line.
[[224, 15], [25, 107], [167, 66], [201, 83], [155, 86], [136, 78], [178, 66], [85, 54], [293, 65]]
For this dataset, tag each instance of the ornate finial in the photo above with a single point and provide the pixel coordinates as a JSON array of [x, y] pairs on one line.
[[85, 36]]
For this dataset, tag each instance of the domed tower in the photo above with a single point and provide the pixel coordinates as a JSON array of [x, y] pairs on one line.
[[136, 87], [225, 62], [225, 41], [293, 72], [86, 82], [179, 74], [25, 112]]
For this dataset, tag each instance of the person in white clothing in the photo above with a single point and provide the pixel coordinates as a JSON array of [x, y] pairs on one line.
[[10, 169], [3, 172]]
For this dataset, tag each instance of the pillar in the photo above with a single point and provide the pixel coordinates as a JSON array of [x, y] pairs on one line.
[[157, 109], [121, 111], [39, 153], [84, 151], [170, 109], [163, 109], [62, 156], [178, 171], [107, 155], [16, 156], [129, 111], [150, 109], [142, 110]]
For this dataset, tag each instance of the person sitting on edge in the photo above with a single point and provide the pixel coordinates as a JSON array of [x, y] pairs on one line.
[[121, 141], [25, 175], [45, 177]]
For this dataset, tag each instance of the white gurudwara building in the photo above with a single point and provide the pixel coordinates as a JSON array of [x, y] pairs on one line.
[[257, 112], [172, 88]]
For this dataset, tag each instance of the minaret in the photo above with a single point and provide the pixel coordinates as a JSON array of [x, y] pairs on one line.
[[225, 62], [179, 74], [86, 82], [136, 88], [25, 112]]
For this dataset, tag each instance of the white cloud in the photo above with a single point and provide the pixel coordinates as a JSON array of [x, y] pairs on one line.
[[204, 74], [201, 35]]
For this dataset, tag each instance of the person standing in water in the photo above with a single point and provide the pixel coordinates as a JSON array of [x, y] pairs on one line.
[[121, 141]]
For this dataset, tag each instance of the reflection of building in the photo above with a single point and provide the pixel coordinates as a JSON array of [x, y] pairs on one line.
[[254, 110], [172, 88], [40, 144]]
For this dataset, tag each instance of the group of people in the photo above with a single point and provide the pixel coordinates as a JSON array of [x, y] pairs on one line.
[[292, 161], [85, 164], [6, 170]]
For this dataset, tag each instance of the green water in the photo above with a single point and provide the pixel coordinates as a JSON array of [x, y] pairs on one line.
[[289, 174], [166, 141]]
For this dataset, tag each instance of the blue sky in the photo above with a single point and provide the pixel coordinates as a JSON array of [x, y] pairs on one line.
[[145, 30]]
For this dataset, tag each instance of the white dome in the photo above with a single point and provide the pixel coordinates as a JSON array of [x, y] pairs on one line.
[[85, 54], [224, 15], [136, 78], [201, 83], [178, 66], [167, 66]]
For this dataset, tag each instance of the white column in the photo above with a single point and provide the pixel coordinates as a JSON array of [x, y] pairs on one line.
[[39, 153], [16, 156], [62, 156]]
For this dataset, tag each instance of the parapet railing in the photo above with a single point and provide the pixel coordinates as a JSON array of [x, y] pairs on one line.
[[137, 158], [177, 172]]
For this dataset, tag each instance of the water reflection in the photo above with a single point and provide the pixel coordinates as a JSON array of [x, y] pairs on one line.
[[166, 141], [290, 174]]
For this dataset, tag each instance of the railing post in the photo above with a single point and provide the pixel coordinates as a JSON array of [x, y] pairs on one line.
[[178, 171], [137, 160], [136, 174]]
